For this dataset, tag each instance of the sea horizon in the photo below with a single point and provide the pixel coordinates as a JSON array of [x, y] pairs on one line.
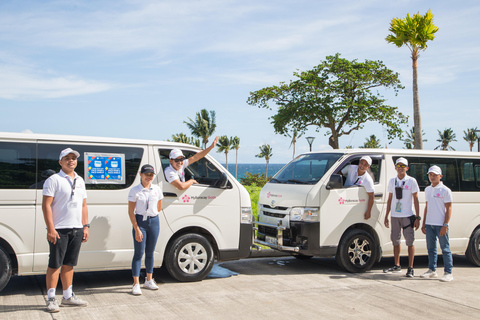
[[253, 168]]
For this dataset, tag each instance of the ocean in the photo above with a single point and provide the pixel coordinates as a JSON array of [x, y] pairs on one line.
[[253, 168]]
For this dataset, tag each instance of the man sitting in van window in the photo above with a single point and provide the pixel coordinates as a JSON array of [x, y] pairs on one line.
[[175, 172], [358, 175]]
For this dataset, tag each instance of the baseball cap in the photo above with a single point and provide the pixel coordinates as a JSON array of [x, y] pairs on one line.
[[368, 159], [402, 160], [147, 168], [67, 152], [435, 169], [175, 153]]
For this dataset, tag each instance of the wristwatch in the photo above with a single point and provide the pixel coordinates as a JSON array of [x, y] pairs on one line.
[[86, 225], [445, 225], [418, 218]]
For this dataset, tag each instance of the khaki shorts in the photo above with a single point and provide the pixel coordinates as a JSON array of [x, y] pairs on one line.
[[397, 225]]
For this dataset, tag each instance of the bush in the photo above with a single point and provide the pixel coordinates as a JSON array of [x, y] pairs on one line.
[[256, 179], [254, 192]]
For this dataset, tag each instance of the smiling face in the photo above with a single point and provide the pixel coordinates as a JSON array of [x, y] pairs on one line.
[[363, 167], [177, 163], [147, 178], [401, 169], [434, 178], [68, 163]]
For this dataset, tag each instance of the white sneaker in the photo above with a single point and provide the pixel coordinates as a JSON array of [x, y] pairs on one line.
[[152, 285], [429, 274], [136, 291], [447, 277]]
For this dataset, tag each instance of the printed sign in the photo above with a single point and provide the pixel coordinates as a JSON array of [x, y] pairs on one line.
[[104, 168]]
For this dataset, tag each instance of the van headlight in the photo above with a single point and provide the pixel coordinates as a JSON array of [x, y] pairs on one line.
[[308, 214], [246, 215]]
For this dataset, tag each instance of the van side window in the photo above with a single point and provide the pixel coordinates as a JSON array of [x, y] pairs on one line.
[[48, 160], [17, 165], [374, 170], [469, 174]]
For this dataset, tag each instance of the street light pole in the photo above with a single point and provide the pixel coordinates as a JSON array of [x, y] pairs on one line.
[[310, 141], [477, 133]]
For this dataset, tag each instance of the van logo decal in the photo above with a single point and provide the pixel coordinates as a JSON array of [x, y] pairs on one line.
[[341, 201], [186, 198], [273, 195]]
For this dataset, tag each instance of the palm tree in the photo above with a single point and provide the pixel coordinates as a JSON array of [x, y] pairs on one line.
[[446, 137], [372, 142], [235, 145], [265, 152], [203, 126], [470, 137], [295, 135], [410, 139], [224, 145], [414, 32], [182, 138]]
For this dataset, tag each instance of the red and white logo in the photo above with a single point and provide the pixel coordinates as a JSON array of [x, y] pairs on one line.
[[341, 201], [186, 198]]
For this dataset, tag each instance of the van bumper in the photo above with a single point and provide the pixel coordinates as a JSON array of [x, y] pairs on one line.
[[244, 245]]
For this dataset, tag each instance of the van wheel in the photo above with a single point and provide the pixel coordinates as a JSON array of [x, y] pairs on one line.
[[473, 250], [5, 268], [189, 257], [357, 251]]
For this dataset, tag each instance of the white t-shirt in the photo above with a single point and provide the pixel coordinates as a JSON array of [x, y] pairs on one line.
[[353, 178], [409, 186], [146, 200], [66, 207], [436, 197], [171, 174]]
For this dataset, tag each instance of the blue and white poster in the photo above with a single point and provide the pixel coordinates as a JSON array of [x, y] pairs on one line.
[[104, 168]]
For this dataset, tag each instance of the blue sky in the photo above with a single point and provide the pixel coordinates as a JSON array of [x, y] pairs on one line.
[[138, 69]]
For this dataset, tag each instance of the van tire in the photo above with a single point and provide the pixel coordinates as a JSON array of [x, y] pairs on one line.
[[5, 268], [189, 257], [473, 250], [357, 251]]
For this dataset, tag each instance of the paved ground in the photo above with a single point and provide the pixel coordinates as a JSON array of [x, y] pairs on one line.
[[262, 288]]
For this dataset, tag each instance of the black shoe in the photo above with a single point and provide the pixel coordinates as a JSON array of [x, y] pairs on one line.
[[410, 272], [393, 269]]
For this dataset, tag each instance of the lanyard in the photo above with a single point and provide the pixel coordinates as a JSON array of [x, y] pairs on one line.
[[397, 184], [73, 187]]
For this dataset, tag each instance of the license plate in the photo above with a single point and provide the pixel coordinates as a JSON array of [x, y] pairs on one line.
[[271, 240]]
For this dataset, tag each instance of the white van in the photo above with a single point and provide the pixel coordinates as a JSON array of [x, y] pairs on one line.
[[212, 219], [306, 210]]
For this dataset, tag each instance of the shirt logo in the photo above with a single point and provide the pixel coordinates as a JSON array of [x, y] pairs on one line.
[[406, 187]]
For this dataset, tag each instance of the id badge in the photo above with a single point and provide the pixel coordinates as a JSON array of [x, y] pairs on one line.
[[72, 205], [398, 207]]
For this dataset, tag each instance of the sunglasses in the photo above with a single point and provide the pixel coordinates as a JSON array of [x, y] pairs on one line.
[[401, 166], [178, 160]]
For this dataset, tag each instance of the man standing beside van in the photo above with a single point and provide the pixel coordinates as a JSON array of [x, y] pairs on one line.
[[358, 175], [175, 172], [438, 210], [402, 198], [65, 212]]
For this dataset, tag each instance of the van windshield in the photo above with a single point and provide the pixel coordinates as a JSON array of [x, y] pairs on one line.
[[306, 168]]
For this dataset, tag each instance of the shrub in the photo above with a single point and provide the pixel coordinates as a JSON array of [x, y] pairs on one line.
[[256, 179]]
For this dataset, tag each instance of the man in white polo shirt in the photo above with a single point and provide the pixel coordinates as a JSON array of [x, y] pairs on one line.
[[175, 172], [66, 216]]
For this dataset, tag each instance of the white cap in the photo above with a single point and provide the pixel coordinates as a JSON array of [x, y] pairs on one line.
[[67, 152], [402, 160], [435, 169], [175, 153], [368, 159]]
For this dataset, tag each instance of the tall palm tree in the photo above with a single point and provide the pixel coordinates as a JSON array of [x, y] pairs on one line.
[[265, 152], [470, 137], [224, 145], [182, 138], [372, 142], [295, 135], [236, 145], [446, 137], [414, 32], [203, 126], [410, 139]]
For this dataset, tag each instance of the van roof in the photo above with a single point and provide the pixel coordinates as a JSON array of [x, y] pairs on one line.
[[403, 152]]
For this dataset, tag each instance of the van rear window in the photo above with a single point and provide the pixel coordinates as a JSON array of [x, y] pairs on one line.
[[17, 165]]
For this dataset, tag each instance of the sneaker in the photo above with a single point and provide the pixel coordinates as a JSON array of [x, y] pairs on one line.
[[447, 277], [52, 305], [73, 301], [393, 269], [410, 273], [152, 285], [429, 274], [136, 291]]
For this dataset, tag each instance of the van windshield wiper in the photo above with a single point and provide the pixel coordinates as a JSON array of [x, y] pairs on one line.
[[276, 180], [297, 181]]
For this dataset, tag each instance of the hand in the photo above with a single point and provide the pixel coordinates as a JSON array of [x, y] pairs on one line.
[[367, 215], [85, 234], [416, 224], [194, 181], [386, 222], [138, 235], [443, 231], [424, 229], [53, 236]]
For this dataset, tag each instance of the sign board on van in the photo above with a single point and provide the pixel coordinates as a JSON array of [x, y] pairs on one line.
[[104, 168]]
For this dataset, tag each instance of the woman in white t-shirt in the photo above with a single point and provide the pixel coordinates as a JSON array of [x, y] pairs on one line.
[[144, 205]]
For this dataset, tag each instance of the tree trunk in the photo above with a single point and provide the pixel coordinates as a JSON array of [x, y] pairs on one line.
[[333, 140], [266, 171], [226, 159], [417, 120]]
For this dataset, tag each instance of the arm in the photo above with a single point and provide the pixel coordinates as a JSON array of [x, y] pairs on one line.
[[183, 185], [417, 209], [424, 224], [133, 220], [389, 202], [371, 200], [52, 234], [159, 205], [202, 153], [448, 215], [85, 220]]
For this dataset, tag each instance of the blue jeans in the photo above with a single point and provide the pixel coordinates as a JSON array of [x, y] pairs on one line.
[[150, 229], [432, 233]]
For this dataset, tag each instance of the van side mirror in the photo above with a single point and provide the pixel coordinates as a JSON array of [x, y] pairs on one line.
[[335, 182], [223, 181]]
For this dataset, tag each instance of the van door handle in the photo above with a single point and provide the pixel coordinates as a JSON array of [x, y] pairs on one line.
[[169, 194], [378, 195]]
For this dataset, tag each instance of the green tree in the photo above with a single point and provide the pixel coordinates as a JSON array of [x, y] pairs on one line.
[[256, 179], [224, 145], [294, 135], [414, 32], [470, 137], [337, 95], [372, 142], [410, 139], [203, 126], [446, 137], [236, 145], [265, 152], [182, 138]]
